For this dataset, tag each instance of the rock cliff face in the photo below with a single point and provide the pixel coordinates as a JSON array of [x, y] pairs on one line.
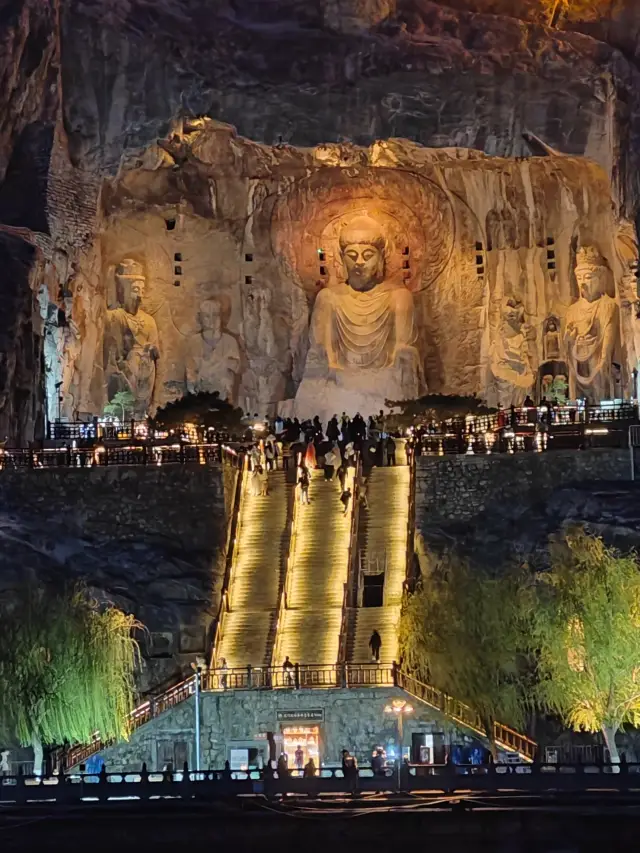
[[150, 540], [89, 87]]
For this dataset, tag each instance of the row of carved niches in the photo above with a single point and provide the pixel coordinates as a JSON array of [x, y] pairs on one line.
[[336, 278]]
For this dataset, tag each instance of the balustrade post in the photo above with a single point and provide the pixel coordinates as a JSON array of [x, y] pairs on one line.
[[249, 676], [394, 673], [296, 675]]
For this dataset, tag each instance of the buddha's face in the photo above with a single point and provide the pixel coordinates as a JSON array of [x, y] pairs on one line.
[[210, 321], [364, 265], [590, 282], [132, 290]]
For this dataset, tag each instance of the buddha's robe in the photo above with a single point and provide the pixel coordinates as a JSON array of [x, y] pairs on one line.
[[363, 330]]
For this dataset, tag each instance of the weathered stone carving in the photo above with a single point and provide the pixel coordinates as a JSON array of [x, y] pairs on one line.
[[315, 280], [363, 329], [131, 345], [591, 329], [553, 373], [510, 355], [213, 360]]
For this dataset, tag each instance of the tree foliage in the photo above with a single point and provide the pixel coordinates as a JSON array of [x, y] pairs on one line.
[[463, 631], [586, 634], [121, 405], [66, 668], [439, 407], [207, 410]]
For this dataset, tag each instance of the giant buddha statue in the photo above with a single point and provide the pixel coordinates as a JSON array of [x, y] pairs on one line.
[[362, 338], [591, 329]]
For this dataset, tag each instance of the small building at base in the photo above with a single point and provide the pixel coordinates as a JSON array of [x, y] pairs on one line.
[[247, 728]]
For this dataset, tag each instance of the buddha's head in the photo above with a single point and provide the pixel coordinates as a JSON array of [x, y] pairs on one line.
[[210, 319], [592, 273], [363, 249], [513, 312], [130, 284]]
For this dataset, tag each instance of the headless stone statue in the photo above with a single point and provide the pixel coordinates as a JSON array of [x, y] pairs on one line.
[[213, 358], [591, 330], [512, 374], [362, 337]]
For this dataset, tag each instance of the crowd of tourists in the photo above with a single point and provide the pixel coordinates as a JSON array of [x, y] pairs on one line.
[[310, 445]]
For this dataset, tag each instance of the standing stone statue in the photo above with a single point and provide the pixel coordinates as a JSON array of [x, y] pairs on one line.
[[591, 329], [553, 373], [510, 356], [213, 360], [131, 340], [362, 337]]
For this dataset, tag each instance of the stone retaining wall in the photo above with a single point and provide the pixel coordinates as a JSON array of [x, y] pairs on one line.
[[459, 488], [353, 719], [150, 539]]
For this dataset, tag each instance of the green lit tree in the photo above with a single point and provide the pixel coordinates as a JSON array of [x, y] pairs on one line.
[[463, 632], [66, 669], [121, 406], [586, 636]]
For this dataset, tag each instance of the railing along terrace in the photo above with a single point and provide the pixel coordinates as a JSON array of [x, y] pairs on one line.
[[104, 455], [595, 782], [528, 416]]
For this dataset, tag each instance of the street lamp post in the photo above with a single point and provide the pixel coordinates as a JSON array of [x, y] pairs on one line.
[[399, 708]]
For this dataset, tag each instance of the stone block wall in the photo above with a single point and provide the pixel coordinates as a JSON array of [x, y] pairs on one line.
[[459, 488], [353, 720], [152, 540]]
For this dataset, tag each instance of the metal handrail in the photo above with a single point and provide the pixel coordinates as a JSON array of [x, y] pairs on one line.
[[232, 551], [351, 561], [283, 599], [411, 520]]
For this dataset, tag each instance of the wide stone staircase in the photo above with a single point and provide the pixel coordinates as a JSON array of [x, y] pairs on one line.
[[260, 553], [382, 543], [309, 630]]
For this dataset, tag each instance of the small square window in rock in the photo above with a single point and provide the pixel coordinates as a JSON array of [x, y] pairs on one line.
[[550, 241], [551, 265], [176, 283], [177, 270], [405, 251], [551, 255], [170, 224], [478, 246], [248, 279], [177, 257], [323, 270], [480, 272], [405, 265], [248, 257], [479, 260], [321, 255]]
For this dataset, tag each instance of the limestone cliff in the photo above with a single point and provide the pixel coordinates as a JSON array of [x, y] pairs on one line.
[[90, 85]]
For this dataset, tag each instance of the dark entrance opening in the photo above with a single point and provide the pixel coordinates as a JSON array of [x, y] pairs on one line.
[[372, 590]]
